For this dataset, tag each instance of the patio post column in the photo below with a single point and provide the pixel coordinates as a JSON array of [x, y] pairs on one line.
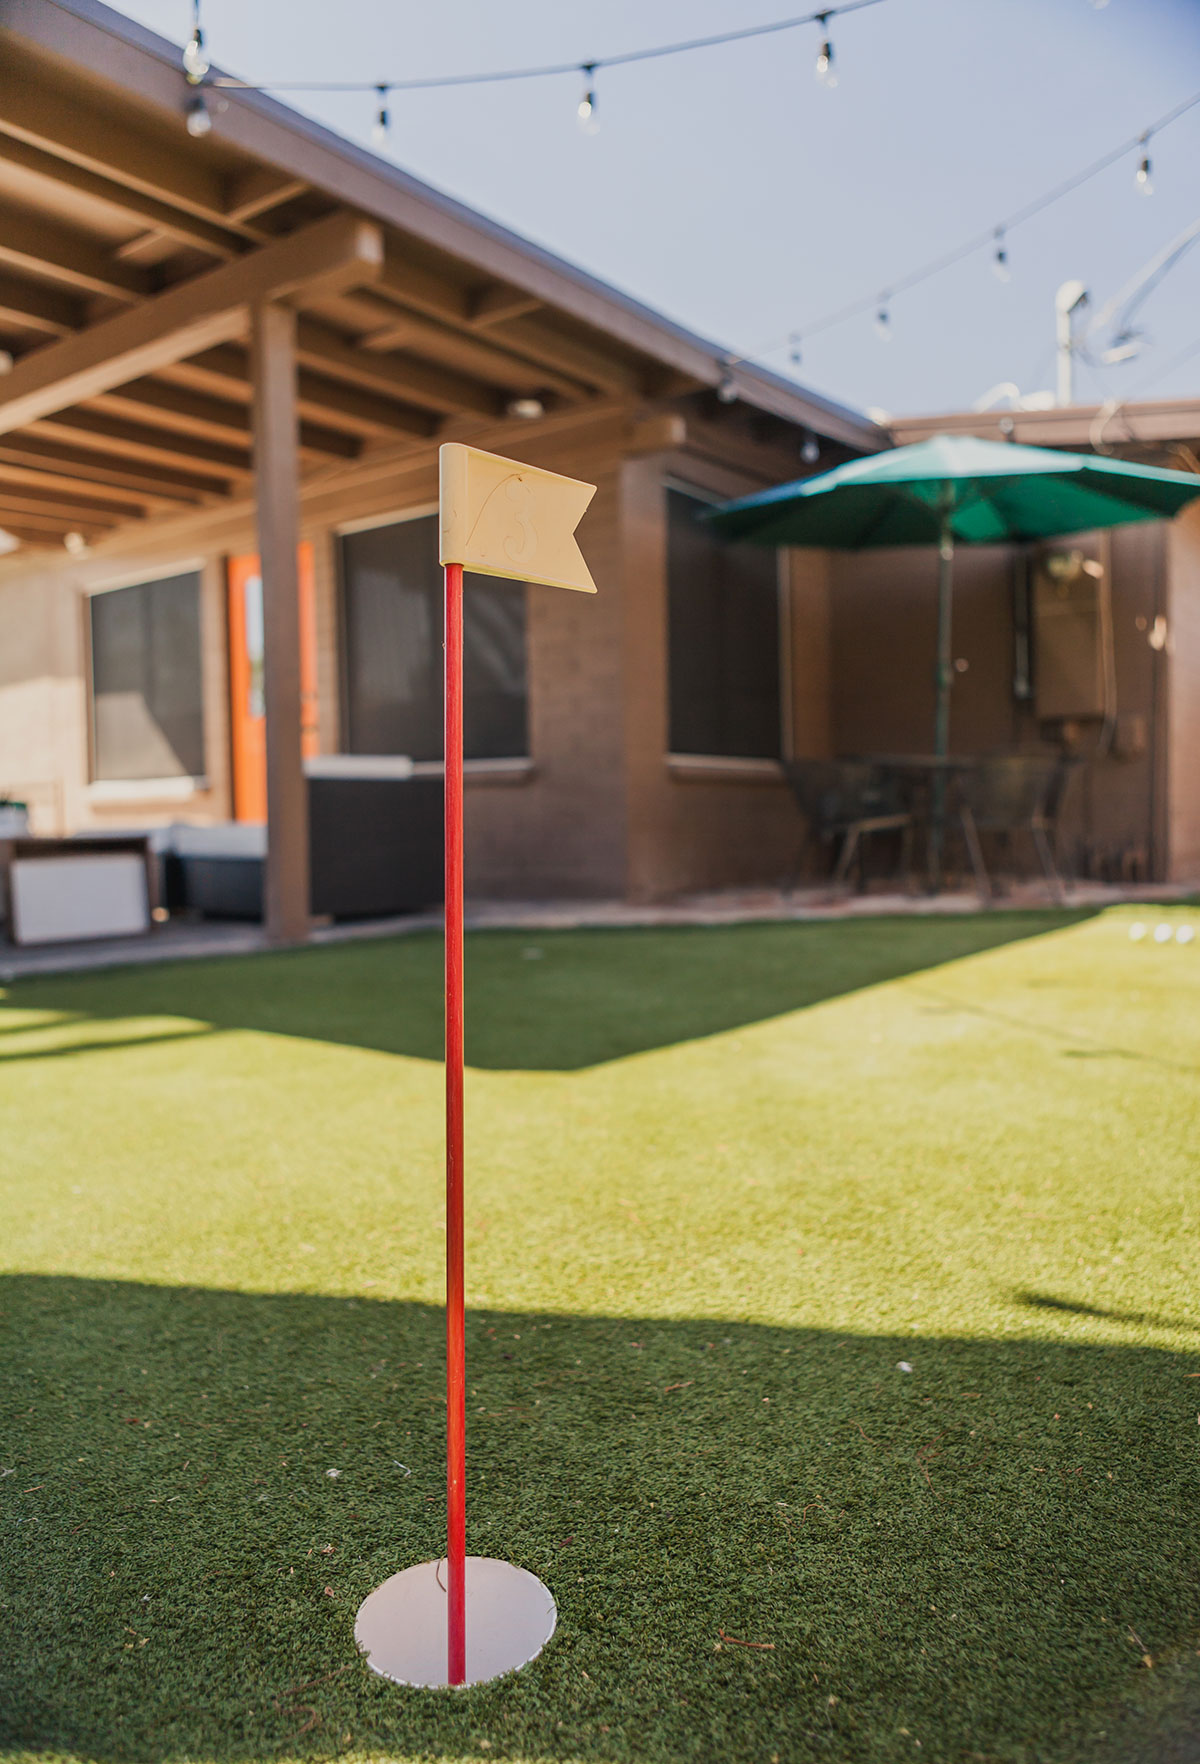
[[276, 473]]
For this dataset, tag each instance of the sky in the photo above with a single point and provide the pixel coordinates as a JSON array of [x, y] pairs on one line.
[[731, 191]]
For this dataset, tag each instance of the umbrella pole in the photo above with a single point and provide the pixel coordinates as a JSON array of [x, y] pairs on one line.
[[943, 678]]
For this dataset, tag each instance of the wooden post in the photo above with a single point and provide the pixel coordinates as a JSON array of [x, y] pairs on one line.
[[273, 351]]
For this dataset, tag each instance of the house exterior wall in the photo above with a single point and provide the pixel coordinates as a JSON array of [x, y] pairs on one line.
[[598, 810], [884, 612], [1183, 709]]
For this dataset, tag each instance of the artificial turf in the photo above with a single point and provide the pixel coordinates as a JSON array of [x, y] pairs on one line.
[[724, 1187]]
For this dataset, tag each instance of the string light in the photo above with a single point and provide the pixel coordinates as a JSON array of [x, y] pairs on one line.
[[548, 70], [383, 122], [824, 70], [726, 390], [198, 117], [195, 62], [794, 355], [991, 236], [1141, 177], [1000, 267], [810, 452], [883, 322], [586, 111]]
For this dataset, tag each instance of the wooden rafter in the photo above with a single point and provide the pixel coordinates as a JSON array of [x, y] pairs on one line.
[[44, 491], [187, 229], [87, 428], [32, 306], [32, 242], [498, 303], [434, 388], [191, 413], [210, 308], [153, 485]]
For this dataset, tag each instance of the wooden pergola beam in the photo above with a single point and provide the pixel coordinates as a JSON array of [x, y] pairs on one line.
[[67, 502], [28, 480], [156, 487], [94, 134], [112, 436], [35, 242], [434, 388], [33, 306], [338, 252], [190, 413], [498, 303], [255, 192], [149, 211], [54, 520]]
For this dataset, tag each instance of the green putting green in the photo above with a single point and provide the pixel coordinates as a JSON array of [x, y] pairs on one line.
[[833, 1344]]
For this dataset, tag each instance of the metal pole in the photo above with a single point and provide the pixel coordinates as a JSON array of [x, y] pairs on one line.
[[456, 1369], [943, 679]]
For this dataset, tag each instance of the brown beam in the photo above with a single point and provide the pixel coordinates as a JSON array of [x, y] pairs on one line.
[[254, 192], [87, 428], [67, 502], [435, 388], [43, 520], [592, 365], [470, 351], [191, 413], [150, 211], [155, 487], [60, 486], [338, 252], [36, 307], [101, 136], [276, 476], [358, 409], [496, 304], [34, 242]]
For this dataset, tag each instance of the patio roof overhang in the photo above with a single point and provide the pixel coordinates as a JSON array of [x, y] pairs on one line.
[[132, 256]]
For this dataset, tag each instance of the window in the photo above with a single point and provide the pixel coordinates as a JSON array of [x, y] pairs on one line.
[[724, 640], [392, 598], [147, 691]]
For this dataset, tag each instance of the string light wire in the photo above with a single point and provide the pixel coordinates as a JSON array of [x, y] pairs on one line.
[[591, 64], [947, 259]]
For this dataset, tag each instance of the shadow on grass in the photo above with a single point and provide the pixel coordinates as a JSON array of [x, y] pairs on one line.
[[975, 1555], [540, 1001]]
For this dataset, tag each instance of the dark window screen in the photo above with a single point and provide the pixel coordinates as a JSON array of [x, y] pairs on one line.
[[147, 692], [392, 587], [724, 640]]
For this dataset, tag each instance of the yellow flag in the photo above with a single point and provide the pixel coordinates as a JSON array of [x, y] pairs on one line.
[[502, 518]]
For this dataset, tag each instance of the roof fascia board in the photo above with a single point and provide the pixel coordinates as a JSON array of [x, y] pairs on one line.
[[126, 54]]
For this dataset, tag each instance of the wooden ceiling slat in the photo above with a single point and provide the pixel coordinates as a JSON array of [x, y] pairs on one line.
[[434, 388], [54, 520], [36, 307], [255, 192], [31, 479], [222, 242], [190, 413], [78, 506], [465, 351], [498, 303], [72, 126], [34, 242], [86, 428], [153, 485]]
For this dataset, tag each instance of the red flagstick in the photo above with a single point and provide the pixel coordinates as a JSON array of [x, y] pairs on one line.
[[456, 1357]]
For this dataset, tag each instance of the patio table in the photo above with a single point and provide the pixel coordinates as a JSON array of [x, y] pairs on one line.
[[928, 776]]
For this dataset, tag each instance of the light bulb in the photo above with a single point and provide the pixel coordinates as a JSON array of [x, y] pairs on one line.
[[1000, 267], [195, 62], [726, 390], [810, 453], [383, 122], [883, 325], [199, 121], [794, 355], [586, 112], [1141, 177], [826, 75]]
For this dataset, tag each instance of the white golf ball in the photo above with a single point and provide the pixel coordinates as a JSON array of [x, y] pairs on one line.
[[1136, 932], [1162, 934], [1185, 934]]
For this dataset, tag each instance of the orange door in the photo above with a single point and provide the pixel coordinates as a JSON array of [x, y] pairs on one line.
[[248, 724]]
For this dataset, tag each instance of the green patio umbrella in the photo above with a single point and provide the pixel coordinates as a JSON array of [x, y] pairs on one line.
[[955, 489]]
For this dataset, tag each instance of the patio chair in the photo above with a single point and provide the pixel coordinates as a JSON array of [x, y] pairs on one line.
[[848, 800], [1012, 793]]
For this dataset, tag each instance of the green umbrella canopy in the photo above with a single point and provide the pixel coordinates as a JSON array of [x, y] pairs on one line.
[[991, 492]]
